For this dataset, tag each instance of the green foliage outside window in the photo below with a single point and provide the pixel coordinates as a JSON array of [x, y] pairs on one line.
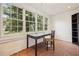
[[12, 19], [30, 21], [46, 23], [39, 23]]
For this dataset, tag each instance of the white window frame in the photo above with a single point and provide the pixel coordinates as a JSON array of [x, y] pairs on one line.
[[24, 23]]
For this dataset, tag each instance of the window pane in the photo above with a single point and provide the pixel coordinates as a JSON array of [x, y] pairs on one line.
[[46, 23], [30, 13], [7, 10], [33, 18], [20, 29], [6, 25], [30, 18], [14, 12], [14, 22], [14, 29], [32, 26], [7, 22], [27, 24], [12, 17], [19, 17], [39, 23], [30, 21], [26, 18], [20, 12], [20, 23], [26, 12], [27, 29], [7, 30], [14, 9]]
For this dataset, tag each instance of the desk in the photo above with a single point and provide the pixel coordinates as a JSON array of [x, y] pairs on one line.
[[36, 36]]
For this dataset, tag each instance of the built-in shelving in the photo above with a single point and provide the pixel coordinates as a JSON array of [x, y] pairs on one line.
[[75, 21]]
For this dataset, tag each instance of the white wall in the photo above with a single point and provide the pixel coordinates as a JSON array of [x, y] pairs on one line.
[[63, 25], [19, 40], [51, 23]]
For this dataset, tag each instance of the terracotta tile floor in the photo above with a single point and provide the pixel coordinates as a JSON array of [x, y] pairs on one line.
[[62, 48]]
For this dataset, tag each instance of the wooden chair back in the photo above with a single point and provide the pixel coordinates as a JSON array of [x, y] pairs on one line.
[[52, 34]]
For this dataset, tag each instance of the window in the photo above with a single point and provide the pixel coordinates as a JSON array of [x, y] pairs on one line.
[[39, 23], [12, 19], [30, 21], [46, 23]]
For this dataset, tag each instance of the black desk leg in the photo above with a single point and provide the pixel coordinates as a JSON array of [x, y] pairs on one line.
[[27, 41], [53, 44], [35, 47], [47, 45]]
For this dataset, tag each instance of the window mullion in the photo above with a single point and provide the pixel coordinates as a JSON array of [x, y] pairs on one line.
[[24, 21], [36, 22], [43, 23], [17, 19], [2, 31]]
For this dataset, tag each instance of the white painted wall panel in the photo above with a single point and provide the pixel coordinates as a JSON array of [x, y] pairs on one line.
[[63, 25]]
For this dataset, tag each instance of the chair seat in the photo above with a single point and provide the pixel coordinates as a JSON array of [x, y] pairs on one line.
[[49, 40]]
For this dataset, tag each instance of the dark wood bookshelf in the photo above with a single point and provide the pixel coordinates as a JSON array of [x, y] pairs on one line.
[[75, 28]]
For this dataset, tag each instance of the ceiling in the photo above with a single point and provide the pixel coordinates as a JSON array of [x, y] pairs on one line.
[[52, 8]]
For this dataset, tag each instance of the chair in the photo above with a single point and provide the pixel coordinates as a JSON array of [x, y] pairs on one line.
[[50, 41]]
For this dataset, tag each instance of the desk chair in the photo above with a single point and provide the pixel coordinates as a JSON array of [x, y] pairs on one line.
[[50, 40]]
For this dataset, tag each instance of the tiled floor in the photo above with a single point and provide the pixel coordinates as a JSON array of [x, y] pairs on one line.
[[62, 48]]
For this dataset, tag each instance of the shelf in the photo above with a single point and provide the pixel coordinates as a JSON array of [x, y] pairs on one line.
[[74, 23], [75, 37], [75, 28], [74, 31], [74, 20]]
